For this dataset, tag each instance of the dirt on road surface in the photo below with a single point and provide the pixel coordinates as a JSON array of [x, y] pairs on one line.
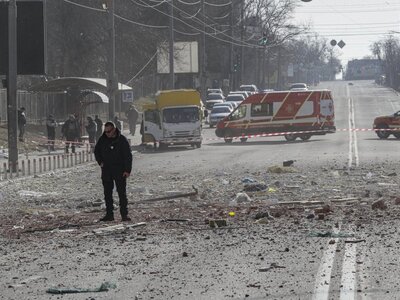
[[247, 233]]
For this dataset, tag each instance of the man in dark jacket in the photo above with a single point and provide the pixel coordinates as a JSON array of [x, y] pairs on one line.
[[113, 154]]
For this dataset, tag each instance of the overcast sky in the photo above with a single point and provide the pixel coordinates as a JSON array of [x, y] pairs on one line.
[[358, 23]]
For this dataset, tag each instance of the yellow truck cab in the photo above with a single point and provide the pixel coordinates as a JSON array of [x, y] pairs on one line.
[[175, 118]]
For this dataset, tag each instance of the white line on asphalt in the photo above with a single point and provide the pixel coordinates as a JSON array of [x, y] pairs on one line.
[[323, 277], [348, 282], [353, 148]]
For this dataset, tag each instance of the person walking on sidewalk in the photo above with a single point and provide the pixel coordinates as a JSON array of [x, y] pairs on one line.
[[132, 114], [51, 125], [70, 130], [99, 130], [113, 154], [91, 129], [21, 123]]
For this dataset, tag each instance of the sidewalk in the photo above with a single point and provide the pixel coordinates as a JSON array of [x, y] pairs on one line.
[[36, 162]]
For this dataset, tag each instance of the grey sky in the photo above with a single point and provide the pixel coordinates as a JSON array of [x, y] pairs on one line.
[[358, 23]]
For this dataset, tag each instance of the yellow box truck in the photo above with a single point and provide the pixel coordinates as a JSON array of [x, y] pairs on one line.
[[175, 118]]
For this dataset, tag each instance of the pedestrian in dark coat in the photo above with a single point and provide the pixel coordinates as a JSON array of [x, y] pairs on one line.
[[21, 123], [118, 123], [113, 154], [91, 129], [132, 114], [51, 126], [99, 129], [70, 131]]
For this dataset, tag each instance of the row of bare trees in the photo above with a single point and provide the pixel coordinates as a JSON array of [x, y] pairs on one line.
[[387, 51], [231, 36]]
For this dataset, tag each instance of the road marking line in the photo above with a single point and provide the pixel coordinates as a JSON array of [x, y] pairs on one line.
[[323, 277], [348, 281]]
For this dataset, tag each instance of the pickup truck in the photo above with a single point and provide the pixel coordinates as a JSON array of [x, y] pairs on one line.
[[384, 126]]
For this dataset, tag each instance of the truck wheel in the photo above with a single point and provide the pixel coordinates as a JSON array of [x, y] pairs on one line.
[[397, 135], [290, 137], [382, 134], [211, 125], [243, 140], [162, 146], [198, 145], [305, 137], [228, 136]]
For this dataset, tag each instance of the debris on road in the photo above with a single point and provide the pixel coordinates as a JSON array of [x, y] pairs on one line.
[[170, 197], [104, 287]]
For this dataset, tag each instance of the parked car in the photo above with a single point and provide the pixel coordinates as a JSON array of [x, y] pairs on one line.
[[299, 87], [218, 113], [230, 104], [215, 96], [386, 123], [249, 88], [214, 91], [244, 93], [210, 103], [237, 98]]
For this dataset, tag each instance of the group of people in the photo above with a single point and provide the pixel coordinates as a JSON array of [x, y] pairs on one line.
[[111, 149]]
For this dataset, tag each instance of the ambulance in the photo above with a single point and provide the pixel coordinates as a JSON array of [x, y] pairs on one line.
[[292, 114]]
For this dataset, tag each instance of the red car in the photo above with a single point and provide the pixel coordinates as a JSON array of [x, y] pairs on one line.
[[389, 125]]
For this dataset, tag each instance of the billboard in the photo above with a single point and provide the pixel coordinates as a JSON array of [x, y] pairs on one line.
[[30, 38], [186, 58]]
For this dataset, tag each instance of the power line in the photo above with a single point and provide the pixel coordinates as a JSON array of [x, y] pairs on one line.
[[87, 7]]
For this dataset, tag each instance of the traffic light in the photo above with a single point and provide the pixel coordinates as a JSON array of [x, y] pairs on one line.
[[263, 40], [235, 67]]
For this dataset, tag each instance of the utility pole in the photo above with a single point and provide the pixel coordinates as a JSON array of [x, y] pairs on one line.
[[231, 74], [203, 52], [12, 86], [171, 47], [112, 83]]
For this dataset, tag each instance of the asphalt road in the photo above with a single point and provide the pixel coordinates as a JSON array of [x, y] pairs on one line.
[[278, 259], [367, 270]]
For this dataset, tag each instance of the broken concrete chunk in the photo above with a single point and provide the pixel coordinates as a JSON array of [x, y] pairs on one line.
[[379, 204], [217, 223], [242, 197], [254, 187]]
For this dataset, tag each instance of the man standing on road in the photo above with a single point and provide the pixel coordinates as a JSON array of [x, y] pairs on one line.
[[113, 154], [21, 123]]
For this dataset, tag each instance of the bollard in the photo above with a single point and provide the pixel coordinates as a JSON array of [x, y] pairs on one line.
[[76, 158], [23, 167], [29, 167], [49, 158], [34, 166], [17, 170], [54, 162], [63, 161], [40, 165], [58, 162], [44, 164], [5, 170]]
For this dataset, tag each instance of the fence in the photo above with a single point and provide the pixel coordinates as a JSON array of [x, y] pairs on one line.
[[28, 167]]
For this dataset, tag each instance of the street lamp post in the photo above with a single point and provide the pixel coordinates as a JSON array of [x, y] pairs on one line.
[[112, 84]]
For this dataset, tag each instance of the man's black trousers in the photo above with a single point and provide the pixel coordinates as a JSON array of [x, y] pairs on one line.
[[121, 190]]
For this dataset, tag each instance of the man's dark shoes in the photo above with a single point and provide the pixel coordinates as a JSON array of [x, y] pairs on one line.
[[126, 218], [107, 218]]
